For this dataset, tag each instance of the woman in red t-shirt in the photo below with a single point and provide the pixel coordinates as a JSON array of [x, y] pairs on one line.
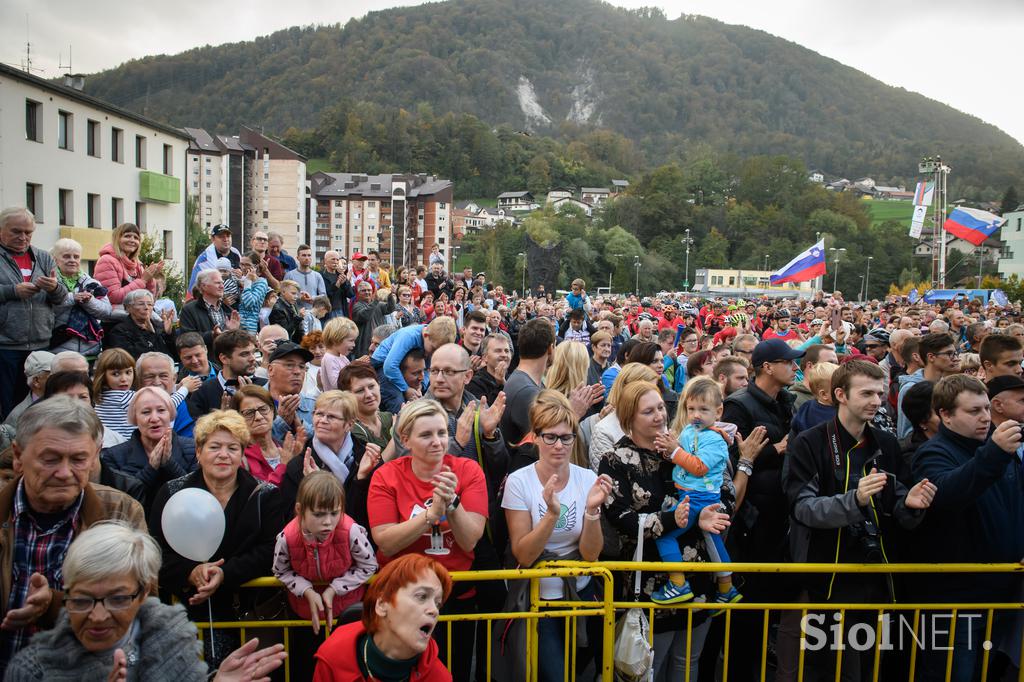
[[431, 503]]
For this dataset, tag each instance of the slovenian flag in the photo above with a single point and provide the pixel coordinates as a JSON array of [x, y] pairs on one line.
[[806, 266], [972, 224], [923, 193]]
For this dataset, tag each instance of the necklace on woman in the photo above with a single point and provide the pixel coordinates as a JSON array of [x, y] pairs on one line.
[[366, 659]]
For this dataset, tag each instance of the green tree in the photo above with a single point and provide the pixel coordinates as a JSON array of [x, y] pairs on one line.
[[1010, 201], [713, 251], [538, 176]]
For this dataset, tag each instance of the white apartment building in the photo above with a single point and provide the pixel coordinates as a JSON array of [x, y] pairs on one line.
[[83, 166], [248, 182]]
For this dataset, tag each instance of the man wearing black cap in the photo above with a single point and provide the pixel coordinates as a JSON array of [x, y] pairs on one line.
[[220, 247], [285, 374], [759, 529]]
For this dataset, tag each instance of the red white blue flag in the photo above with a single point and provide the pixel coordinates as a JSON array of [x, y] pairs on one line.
[[972, 225], [806, 266]]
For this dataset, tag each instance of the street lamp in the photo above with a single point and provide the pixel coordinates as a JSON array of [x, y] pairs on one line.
[[522, 293], [766, 256], [636, 264], [615, 267], [687, 241], [835, 276], [867, 278], [860, 294]]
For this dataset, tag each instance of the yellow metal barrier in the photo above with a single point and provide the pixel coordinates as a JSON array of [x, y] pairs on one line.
[[805, 608], [606, 609], [538, 609]]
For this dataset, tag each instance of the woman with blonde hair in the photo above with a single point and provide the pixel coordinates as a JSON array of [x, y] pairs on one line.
[[332, 448], [119, 268], [608, 430], [553, 509], [253, 517], [433, 503]]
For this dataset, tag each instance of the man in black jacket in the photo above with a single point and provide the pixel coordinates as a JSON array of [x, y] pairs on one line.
[[236, 351], [489, 380], [208, 314], [844, 503], [339, 289], [438, 282], [758, 532]]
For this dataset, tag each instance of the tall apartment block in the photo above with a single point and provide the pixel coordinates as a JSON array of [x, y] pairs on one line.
[[400, 215], [248, 182]]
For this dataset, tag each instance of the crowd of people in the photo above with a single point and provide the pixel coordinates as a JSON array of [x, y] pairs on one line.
[[355, 421]]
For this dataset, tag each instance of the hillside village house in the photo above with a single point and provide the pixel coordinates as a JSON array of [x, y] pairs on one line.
[[248, 182], [595, 196], [83, 166], [517, 201], [744, 283], [587, 209], [619, 186], [400, 215]]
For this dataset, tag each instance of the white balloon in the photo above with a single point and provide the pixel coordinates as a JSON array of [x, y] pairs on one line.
[[193, 524]]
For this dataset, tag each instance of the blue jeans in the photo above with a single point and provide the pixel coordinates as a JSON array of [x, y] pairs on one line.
[[668, 543], [12, 378], [551, 647]]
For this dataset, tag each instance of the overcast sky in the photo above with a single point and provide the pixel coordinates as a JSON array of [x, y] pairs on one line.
[[960, 53]]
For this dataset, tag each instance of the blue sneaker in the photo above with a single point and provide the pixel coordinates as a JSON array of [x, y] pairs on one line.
[[671, 593], [730, 597]]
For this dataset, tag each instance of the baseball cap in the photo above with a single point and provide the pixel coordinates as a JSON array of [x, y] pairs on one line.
[[290, 348], [223, 264], [773, 350], [219, 229], [358, 256], [37, 362], [1004, 383]]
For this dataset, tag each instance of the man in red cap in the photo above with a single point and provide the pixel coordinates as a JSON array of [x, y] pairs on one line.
[[360, 273]]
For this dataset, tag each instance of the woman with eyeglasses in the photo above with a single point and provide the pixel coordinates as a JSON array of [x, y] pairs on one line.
[[113, 626], [265, 458], [333, 448], [406, 313], [553, 509]]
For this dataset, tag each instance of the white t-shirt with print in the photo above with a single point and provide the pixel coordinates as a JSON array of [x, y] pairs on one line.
[[524, 491]]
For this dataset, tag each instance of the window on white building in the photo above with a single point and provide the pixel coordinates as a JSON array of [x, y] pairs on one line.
[[65, 130], [117, 145], [33, 121], [140, 151], [116, 211], [65, 207], [92, 138], [34, 199], [92, 210]]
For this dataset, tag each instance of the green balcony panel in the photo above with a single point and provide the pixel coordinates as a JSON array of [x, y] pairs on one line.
[[165, 189]]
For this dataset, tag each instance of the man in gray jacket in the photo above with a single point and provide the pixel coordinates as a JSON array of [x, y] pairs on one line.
[[29, 290]]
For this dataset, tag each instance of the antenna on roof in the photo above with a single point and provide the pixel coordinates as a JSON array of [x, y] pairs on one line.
[[26, 63], [60, 61]]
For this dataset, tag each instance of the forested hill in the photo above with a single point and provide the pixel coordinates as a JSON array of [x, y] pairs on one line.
[[551, 66]]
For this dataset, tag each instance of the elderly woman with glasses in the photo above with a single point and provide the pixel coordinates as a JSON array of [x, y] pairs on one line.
[[253, 518], [113, 626], [333, 448], [553, 510], [265, 458], [137, 334], [78, 320]]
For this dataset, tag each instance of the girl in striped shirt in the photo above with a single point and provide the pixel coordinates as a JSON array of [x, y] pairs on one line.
[[114, 384]]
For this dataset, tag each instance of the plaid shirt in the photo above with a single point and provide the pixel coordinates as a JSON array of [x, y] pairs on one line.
[[36, 550], [216, 314]]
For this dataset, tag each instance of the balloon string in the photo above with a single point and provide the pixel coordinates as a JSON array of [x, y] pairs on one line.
[[213, 644]]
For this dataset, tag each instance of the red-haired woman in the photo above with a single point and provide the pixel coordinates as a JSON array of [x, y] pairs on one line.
[[393, 641]]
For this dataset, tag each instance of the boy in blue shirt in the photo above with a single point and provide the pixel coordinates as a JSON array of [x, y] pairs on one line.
[[387, 359], [700, 462]]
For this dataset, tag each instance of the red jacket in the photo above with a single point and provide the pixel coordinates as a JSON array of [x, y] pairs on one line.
[[258, 466], [321, 562], [113, 272], [338, 661]]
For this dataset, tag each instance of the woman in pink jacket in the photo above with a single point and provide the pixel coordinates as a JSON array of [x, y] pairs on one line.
[[119, 268]]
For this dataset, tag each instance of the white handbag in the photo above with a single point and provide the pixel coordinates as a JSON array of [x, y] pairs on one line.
[[634, 657]]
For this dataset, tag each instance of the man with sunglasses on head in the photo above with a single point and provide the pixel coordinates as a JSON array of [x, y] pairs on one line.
[[941, 358]]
